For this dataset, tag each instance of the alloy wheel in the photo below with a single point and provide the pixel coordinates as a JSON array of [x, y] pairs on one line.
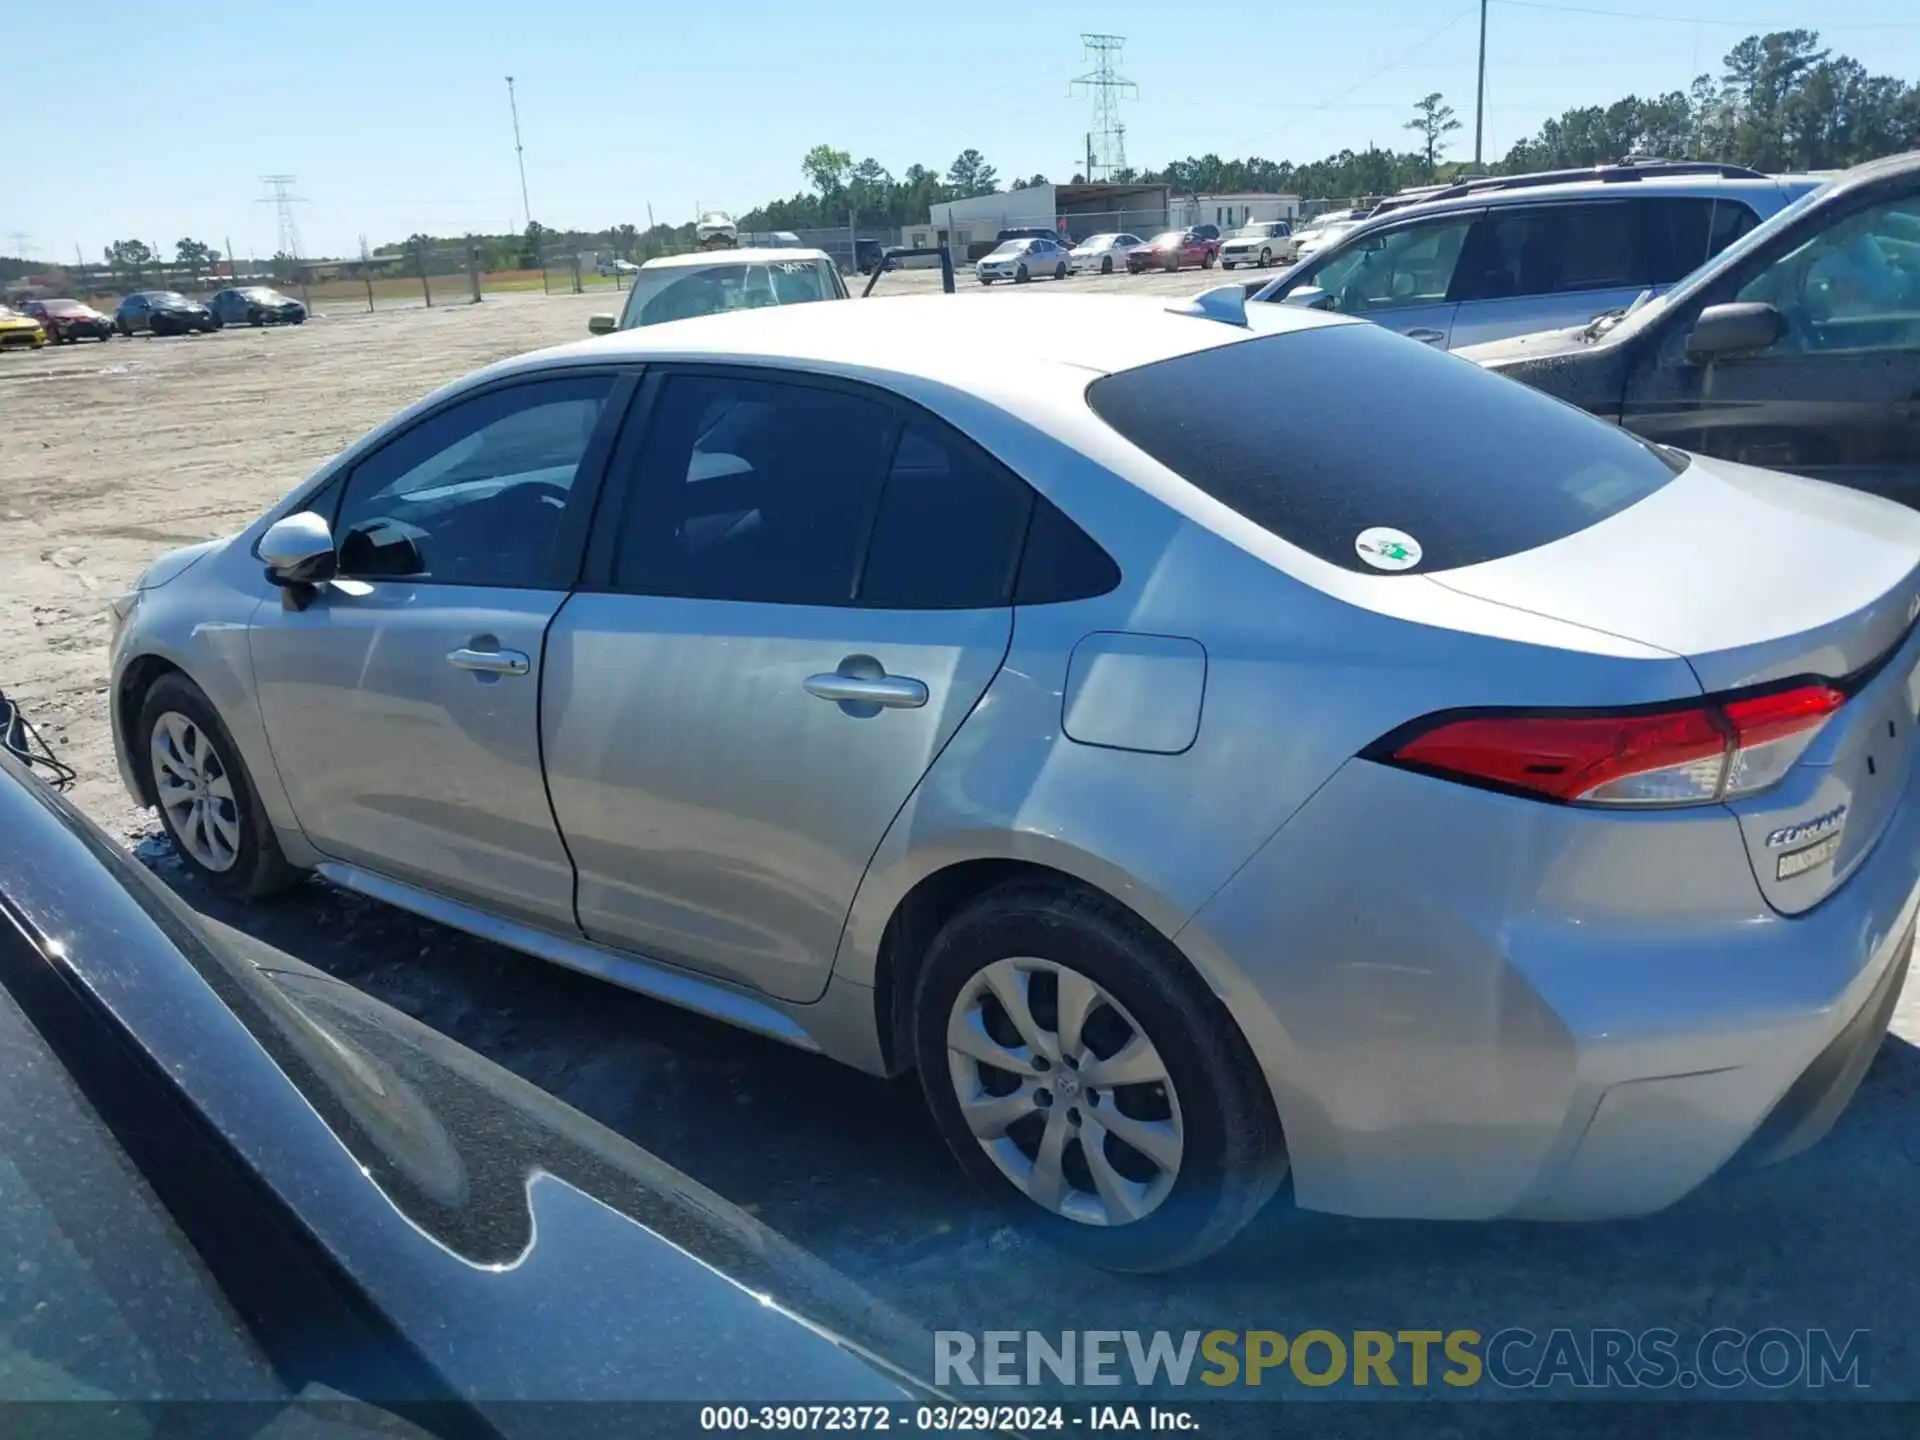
[[195, 790], [1064, 1091]]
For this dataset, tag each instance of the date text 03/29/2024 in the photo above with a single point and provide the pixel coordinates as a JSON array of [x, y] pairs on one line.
[[977, 1419]]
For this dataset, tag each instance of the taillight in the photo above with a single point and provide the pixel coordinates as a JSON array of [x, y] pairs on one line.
[[1711, 749]]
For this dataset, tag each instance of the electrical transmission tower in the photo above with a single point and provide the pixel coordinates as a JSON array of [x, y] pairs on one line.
[[280, 195], [1107, 141], [21, 241]]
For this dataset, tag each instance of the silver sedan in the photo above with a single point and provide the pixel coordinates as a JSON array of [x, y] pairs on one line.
[[1407, 781]]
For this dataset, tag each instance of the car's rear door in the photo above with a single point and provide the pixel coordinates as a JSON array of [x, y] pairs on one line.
[[1544, 267], [402, 705], [802, 595]]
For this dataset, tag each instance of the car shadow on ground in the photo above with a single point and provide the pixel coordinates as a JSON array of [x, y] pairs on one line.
[[849, 1167]]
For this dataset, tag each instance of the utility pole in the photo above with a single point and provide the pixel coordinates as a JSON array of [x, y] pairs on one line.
[[519, 155], [1480, 97], [1108, 87], [233, 270]]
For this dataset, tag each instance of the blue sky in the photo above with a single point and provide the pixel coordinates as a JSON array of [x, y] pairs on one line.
[[394, 115]]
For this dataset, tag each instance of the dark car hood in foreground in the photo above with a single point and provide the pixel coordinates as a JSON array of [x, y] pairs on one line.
[[517, 1249]]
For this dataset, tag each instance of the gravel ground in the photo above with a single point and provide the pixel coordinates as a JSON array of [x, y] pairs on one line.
[[111, 453]]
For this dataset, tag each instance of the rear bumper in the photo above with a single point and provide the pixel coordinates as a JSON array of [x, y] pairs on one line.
[[1471, 1005]]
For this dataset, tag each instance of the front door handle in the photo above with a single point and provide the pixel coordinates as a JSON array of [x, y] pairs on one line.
[[860, 681], [1426, 337], [490, 662]]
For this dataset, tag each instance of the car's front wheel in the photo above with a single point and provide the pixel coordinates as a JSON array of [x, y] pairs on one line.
[[1020, 276], [1206, 260], [1226, 264], [1266, 258], [1106, 265], [1071, 1058], [1173, 261], [1060, 271], [206, 799]]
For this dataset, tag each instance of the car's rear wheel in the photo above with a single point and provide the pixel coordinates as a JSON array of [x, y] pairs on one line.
[[1073, 1060], [206, 799]]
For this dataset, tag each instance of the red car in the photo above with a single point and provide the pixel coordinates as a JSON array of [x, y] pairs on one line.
[[1174, 249], [69, 320]]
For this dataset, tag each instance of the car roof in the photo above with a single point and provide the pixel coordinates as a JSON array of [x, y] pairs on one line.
[[1703, 186], [708, 257], [948, 339]]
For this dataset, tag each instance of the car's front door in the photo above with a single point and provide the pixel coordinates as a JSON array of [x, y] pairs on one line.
[[403, 704], [1838, 395], [1401, 277], [136, 313], [805, 596], [1545, 267]]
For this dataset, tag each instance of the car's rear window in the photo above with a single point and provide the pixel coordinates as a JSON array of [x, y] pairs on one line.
[[1327, 436]]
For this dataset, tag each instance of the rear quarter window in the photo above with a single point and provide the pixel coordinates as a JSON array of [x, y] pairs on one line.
[[1322, 435]]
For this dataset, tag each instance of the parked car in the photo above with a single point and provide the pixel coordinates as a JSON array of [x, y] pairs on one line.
[[1029, 232], [613, 265], [1509, 254], [1173, 249], [1260, 242], [1311, 235], [162, 312], [868, 253], [1021, 260], [256, 305], [1102, 253], [903, 707], [20, 332], [1797, 347], [709, 282], [234, 1178], [65, 320]]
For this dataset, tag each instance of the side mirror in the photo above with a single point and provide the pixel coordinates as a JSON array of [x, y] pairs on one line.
[[298, 550], [300, 556], [602, 324], [1307, 297], [1729, 329]]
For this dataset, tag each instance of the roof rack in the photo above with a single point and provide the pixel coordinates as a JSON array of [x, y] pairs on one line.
[[1607, 174]]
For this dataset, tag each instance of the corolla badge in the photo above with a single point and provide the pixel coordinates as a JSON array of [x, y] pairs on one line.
[[1814, 829]]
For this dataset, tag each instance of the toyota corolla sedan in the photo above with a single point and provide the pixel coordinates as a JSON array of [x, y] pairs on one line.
[[1411, 782]]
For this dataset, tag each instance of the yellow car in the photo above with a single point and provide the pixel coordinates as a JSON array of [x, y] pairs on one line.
[[20, 332]]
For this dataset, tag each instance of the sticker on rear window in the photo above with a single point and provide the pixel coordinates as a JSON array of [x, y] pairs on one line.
[[1385, 548]]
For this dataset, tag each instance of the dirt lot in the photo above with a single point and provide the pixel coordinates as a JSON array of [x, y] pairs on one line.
[[110, 453]]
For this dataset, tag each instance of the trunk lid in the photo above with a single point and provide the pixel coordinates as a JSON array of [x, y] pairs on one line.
[[1753, 578]]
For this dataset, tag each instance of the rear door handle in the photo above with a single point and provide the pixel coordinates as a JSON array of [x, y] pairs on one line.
[[490, 662], [1426, 337], [894, 692]]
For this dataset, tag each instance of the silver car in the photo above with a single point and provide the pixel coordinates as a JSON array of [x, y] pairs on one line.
[[1417, 784], [1498, 256], [1025, 259]]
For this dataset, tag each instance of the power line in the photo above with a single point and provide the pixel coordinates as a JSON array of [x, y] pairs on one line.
[[1390, 63], [1762, 25], [280, 195], [1107, 141]]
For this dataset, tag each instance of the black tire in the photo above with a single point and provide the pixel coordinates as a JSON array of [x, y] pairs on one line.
[[1226, 264], [298, 320], [1173, 261], [1206, 260], [1060, 272], [260, 869], [256, 319], [1106, 265], [1020, 275], [986, 280], [1266, 258], [1234, 1155]]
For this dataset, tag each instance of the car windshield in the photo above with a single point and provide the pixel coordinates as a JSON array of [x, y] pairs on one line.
[[1010, 247], [168, 297], [1169, 237], [260, 292], [63, 307], [1644, 312], [1095, 242], [1253, 232], [680, 292], [1475, 469]]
